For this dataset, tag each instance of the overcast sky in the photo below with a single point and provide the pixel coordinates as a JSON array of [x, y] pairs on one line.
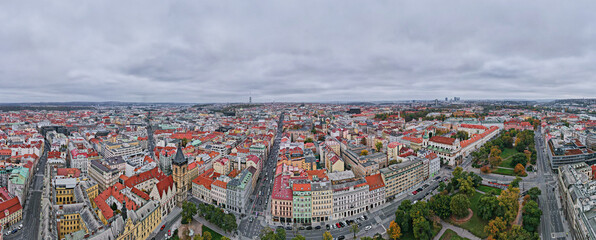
[[221, 51]]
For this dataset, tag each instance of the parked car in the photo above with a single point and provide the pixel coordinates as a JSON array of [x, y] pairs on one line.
[[309, 228], [367, 228], [162, 227], [318, 227], [327, 227], [365, 217], [414, 192], [288, 228], [342, 237]]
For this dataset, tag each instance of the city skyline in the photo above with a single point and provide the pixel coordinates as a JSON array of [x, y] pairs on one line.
[[203, 52]]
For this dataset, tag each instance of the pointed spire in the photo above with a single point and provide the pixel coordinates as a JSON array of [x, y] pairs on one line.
[[179, 159]]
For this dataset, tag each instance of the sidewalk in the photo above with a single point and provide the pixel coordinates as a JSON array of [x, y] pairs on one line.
[[460, 231]]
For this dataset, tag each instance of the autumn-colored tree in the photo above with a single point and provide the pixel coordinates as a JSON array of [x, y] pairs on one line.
[[394, 231], [519, 170], [508, 200], [327, 236], [364, 152], [528, 154], [207, 235], [494, 158], [496, 229], [526, 198], [485, 169]]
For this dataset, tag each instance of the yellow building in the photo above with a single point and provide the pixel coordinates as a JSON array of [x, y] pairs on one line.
[[403, 176], [140, 223], [69, 222], [64, 190], [92, 189]]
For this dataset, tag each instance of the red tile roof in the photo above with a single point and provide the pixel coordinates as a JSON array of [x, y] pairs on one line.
[[220, 184], [301, 187], [281, 189], [442, 140], [412, 139], [73, 172], [374, 182], [473, 126], [13, 205], [165, 184]]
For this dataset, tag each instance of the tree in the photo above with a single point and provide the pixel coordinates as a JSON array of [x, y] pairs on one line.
[[363, 141], [420, 209], [488, 207], [280, 234], [394, 231], [364, 152], [457, 172], [485, 169], [402, 215], [379, 146], [494, 158], [299, 237], [518, 233], [519, 158], [229, 223], [184, 141], [515, 182], [519, 170], [466, 186], [531, 216], [461, 135], [224, 238], [327, 236], [207, 235], [496, 229], [534, 193], [198, 237], [507, 141], [421, 228], [114, 206], [440, 205], [308, 140], [459, 205], [508, 201], [354, 229], [267, 234], [442, 186], [189, 209], [366, 238]]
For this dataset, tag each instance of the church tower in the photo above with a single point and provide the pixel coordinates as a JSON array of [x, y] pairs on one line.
[[180, 175]]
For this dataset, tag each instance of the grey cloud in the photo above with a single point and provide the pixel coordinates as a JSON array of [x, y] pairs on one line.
[[205, 51]]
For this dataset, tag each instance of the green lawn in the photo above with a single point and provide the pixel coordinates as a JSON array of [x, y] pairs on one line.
[[488, 189], [451, 235], [504, 171], [506, 163], [214, 235], [508, 152], [476, 224]]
